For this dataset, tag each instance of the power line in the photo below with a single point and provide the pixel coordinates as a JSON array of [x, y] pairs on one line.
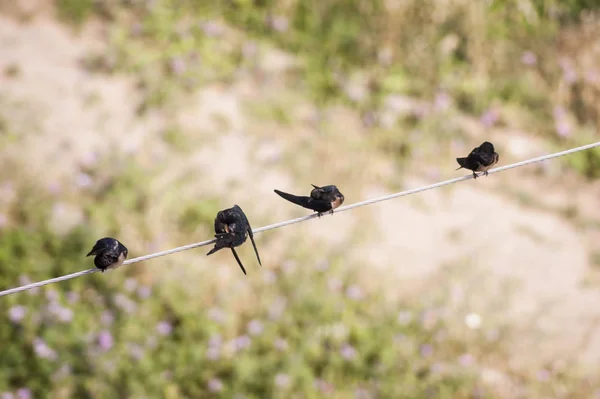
[[304, 218]]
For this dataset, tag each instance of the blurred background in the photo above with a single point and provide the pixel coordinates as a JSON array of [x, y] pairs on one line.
[[141, 119]]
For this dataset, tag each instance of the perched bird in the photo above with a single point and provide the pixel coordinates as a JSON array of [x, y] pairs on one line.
[[481, 159], [109, 252], [322, 199], [232, 228]]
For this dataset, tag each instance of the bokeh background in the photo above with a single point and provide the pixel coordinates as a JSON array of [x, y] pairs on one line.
[[141, 119]]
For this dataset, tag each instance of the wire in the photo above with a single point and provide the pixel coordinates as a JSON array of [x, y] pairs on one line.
[[304, 218]]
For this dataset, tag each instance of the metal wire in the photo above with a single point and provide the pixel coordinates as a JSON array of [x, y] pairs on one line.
[[304, 218]]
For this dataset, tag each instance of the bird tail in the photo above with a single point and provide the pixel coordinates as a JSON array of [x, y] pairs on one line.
[[235, 255], [298, 200], [222, 242], [462, 162]]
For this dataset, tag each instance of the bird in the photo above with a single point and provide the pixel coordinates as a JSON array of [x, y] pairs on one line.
[[322, 199], [109, 252], [481, 159], [232, 228]]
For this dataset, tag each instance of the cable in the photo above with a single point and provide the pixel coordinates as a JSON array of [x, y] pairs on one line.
[[304, 218]]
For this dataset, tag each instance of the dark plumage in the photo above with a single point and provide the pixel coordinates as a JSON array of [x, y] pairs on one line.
[[481, 159], [232, 228], [109, 252], [322, 199]]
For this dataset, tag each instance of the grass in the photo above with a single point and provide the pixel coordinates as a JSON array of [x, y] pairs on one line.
[[300, 327], [494, 55]]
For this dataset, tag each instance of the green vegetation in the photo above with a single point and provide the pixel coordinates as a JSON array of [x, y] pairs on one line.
[[297, 328]]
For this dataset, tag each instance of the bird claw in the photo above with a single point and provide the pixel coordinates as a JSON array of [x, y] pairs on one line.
[[474, 175]]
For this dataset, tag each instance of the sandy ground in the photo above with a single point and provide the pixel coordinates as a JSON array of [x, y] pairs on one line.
[[70, 116]]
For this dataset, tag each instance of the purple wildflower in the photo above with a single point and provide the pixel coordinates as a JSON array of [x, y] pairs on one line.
[[17, 313], [130, 285], [281, 344], [442, 101], [151, 342], [282, 380], [164, 328], [249, 49], [144, 292], [334, 284], [426, 350], [437, 368], [54, 187], [65, 314], [105, 340], [361, 393], [242, 342], [42, 350], [72, 296], [213, 353], [215, 340], [489, 118], [136, 351], [107, 317], [177, 65], [255, 327], [355, 92], [569, 73], [348, 352], [429, 318], [215, 385], [322, 265], [136, 29], [354, 292], [269, 276], [23, 393], [592, 76], [404, 317], [83, 180], [324, 386], [279, 23], [288, 266], [563, 128], [52, 295], [277, 308], [6, 395], [125, 303], [543, 375], [7, 191], [212, 28], [216, 315], [3, 220], [466, 359], [529, 58]]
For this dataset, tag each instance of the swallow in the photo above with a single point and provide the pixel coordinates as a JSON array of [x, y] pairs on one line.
[[322, 199], [481, 159], [232, 228], [109, 252]]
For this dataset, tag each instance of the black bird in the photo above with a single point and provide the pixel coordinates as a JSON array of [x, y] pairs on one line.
[[232, 228], [322, 199], [109, 252], [481, 159]]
